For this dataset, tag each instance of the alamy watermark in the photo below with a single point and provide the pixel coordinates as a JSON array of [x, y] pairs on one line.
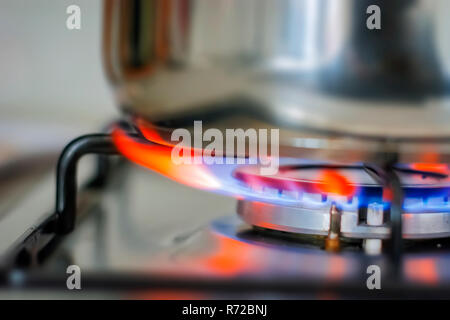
[[239, 146], [373, 22], [73, 21], [374, 279], [74, 279]]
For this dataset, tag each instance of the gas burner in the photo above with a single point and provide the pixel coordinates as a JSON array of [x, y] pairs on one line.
[[359, 201], [310, 194]]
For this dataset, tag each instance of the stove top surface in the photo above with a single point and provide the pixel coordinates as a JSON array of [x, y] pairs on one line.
[[143, 225]]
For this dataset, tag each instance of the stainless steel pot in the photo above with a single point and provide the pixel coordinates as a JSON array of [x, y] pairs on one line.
[[311, 67]]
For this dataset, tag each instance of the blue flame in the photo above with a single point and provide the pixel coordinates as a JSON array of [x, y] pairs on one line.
[[417, 199]]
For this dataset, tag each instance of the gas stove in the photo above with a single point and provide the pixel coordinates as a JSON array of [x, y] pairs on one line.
[[313, 230], [341, 192]]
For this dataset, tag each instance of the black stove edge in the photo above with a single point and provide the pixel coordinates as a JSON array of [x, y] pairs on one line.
[[135, 282]]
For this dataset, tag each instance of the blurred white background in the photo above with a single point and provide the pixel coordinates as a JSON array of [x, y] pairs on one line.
[[52, 85]]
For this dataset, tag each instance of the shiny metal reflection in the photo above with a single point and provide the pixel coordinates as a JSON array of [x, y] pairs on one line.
[[306, 65]]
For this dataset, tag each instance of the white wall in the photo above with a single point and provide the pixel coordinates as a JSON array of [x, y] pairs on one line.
[[51, 78]]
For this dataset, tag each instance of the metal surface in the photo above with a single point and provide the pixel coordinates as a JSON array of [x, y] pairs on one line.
[[374, 218], [311, 68]]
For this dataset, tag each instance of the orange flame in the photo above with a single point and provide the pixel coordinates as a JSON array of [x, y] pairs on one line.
[[431, 167], [422, 270], [231, 257], [159, 158], [335, 183], [151, 134]]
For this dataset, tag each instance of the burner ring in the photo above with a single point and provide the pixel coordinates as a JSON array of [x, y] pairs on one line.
[[317, 222], [357, 192]]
